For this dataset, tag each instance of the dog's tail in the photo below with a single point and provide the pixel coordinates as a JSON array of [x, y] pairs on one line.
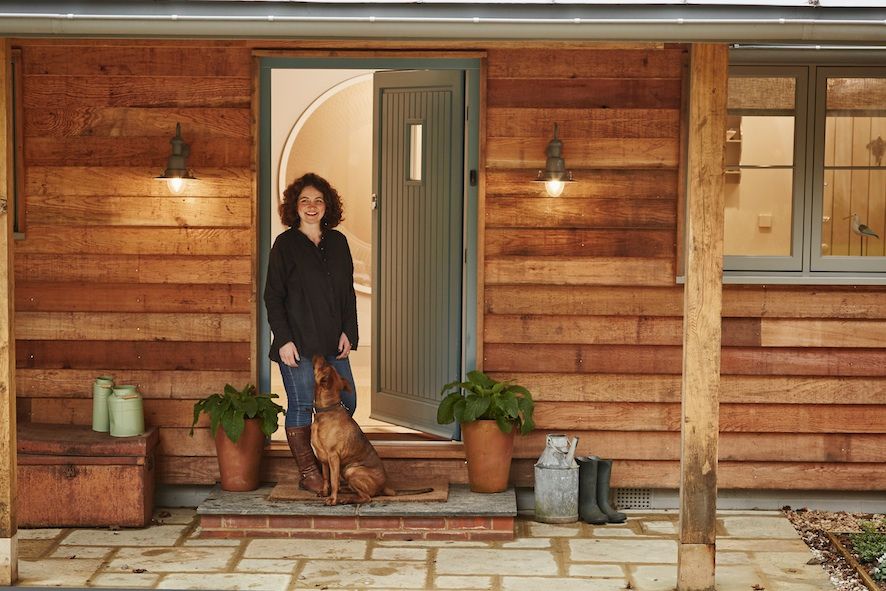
[[390, 492]]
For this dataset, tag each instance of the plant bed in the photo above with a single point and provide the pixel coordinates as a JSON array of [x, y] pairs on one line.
[[866, 552], [823, 532]]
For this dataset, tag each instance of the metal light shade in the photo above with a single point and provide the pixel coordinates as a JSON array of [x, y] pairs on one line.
[[554, 176], [177, 167]]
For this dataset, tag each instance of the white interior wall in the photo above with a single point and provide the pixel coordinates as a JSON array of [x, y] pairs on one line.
[[338, 158]]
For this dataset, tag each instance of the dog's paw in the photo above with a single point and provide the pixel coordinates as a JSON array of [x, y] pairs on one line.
[[331, 501]]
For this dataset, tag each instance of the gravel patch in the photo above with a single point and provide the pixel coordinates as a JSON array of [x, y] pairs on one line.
[[812, 526]]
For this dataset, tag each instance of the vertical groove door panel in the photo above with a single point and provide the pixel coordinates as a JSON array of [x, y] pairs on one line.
[[418, 236]]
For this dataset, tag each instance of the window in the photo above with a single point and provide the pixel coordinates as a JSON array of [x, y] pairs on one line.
[[805, 172]]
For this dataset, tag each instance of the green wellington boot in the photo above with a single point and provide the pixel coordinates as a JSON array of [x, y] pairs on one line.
[[604, 472], [587, 491]]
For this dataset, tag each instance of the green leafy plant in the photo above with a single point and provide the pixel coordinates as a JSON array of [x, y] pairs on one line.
[[231, 408], [508, 404], [870, 544]]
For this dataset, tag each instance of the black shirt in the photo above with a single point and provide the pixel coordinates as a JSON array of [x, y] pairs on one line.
[[310, 293]]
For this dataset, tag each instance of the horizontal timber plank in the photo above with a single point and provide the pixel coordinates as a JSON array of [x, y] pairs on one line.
[[136, 91], [95, 60], [200, 470], [55, 239], [581, 125], [589, 153], [736, 447], [74, 296], [650, 183], [823, 333], [126, 326], [133, 355], [580, 271], [536, 213], [585, 93], [580, 242], [649, 359], [583, 301], [741, 302], [73, 411], [756, 475], [757, 418], [135, 151], [585, 63], [133, 182], [656, 330], [614, 330], [588, 387], [201, 123], [77, 383], [804, 302], [140, 211], [134, 268]]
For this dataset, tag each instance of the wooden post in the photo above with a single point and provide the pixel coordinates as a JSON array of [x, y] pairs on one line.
[[8, 549], [702, 300]]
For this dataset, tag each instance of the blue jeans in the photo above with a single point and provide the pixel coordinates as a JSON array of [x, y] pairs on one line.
[[299, 384]]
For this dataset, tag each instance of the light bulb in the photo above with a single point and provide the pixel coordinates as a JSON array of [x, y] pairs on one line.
[[555, 187], [177, 184]]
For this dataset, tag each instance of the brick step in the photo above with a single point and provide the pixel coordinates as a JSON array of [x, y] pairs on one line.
[[464, 516]]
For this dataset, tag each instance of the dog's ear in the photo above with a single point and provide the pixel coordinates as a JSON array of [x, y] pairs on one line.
[[345, 385]]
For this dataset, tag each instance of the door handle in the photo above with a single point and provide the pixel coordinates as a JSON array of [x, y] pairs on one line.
[[374, 201]]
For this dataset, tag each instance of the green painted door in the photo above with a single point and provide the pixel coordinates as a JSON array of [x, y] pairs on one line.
[[418, 181]]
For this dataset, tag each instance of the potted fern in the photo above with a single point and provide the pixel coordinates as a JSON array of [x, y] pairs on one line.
[[490, 413], [246, 418]]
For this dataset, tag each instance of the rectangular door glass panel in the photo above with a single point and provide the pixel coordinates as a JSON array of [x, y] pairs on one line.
[[415, 151]]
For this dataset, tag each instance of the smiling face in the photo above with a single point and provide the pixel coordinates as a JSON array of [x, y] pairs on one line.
[[311, 206]]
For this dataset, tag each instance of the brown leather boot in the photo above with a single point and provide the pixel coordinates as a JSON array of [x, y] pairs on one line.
[[299, 439]]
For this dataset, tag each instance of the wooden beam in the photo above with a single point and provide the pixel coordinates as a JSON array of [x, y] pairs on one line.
[[8, 550], [702, 301]]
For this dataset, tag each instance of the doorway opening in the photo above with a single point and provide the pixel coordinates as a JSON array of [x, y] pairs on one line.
[[320, 115]]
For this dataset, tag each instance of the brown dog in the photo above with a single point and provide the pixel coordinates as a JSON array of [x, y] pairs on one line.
[[342, 448]]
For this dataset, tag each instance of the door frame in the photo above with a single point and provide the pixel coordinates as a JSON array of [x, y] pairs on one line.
[[472, 66]]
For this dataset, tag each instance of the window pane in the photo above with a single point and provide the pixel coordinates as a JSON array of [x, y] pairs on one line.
[[854, 192], [415, 155], [760, 166], [759, 212], [761, 93]]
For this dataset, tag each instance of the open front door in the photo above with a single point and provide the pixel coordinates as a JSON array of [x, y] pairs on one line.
[[418, 164]]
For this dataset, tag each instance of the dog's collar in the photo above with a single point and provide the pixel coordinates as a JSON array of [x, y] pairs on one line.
[[328, 408]]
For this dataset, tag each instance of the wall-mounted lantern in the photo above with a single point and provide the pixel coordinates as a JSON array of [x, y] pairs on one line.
[[177, 170], [554, 176]]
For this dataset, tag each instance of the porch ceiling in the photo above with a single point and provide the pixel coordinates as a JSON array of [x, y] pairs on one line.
[[773, 21]]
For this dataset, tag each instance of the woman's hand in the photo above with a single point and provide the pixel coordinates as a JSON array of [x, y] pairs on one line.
[[344, 346], [289, 354]]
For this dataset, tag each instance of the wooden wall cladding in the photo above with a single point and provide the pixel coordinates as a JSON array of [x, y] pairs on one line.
[[581, 303], [116, 275]]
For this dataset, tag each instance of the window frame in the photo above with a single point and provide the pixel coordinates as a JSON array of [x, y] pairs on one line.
[[846, 61], [857, 264]]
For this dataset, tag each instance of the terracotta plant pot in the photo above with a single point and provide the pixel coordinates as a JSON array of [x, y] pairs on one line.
[[488, 452], [239, 463]]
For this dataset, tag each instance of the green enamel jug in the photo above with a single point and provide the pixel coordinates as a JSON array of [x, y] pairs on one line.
[[126, 412], [101, 391]]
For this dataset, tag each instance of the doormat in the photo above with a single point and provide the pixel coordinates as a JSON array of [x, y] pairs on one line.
[[289, 491]]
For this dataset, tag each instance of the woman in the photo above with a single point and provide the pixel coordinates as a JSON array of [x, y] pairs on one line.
[[312, 308]]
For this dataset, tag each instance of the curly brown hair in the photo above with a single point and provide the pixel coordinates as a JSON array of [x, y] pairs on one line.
[[289, 208]]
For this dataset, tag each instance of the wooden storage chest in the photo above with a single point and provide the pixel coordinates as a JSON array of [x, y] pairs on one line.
[[70, 476]]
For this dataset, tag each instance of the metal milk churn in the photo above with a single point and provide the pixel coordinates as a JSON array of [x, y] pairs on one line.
[[556, 481], [126, 413]]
